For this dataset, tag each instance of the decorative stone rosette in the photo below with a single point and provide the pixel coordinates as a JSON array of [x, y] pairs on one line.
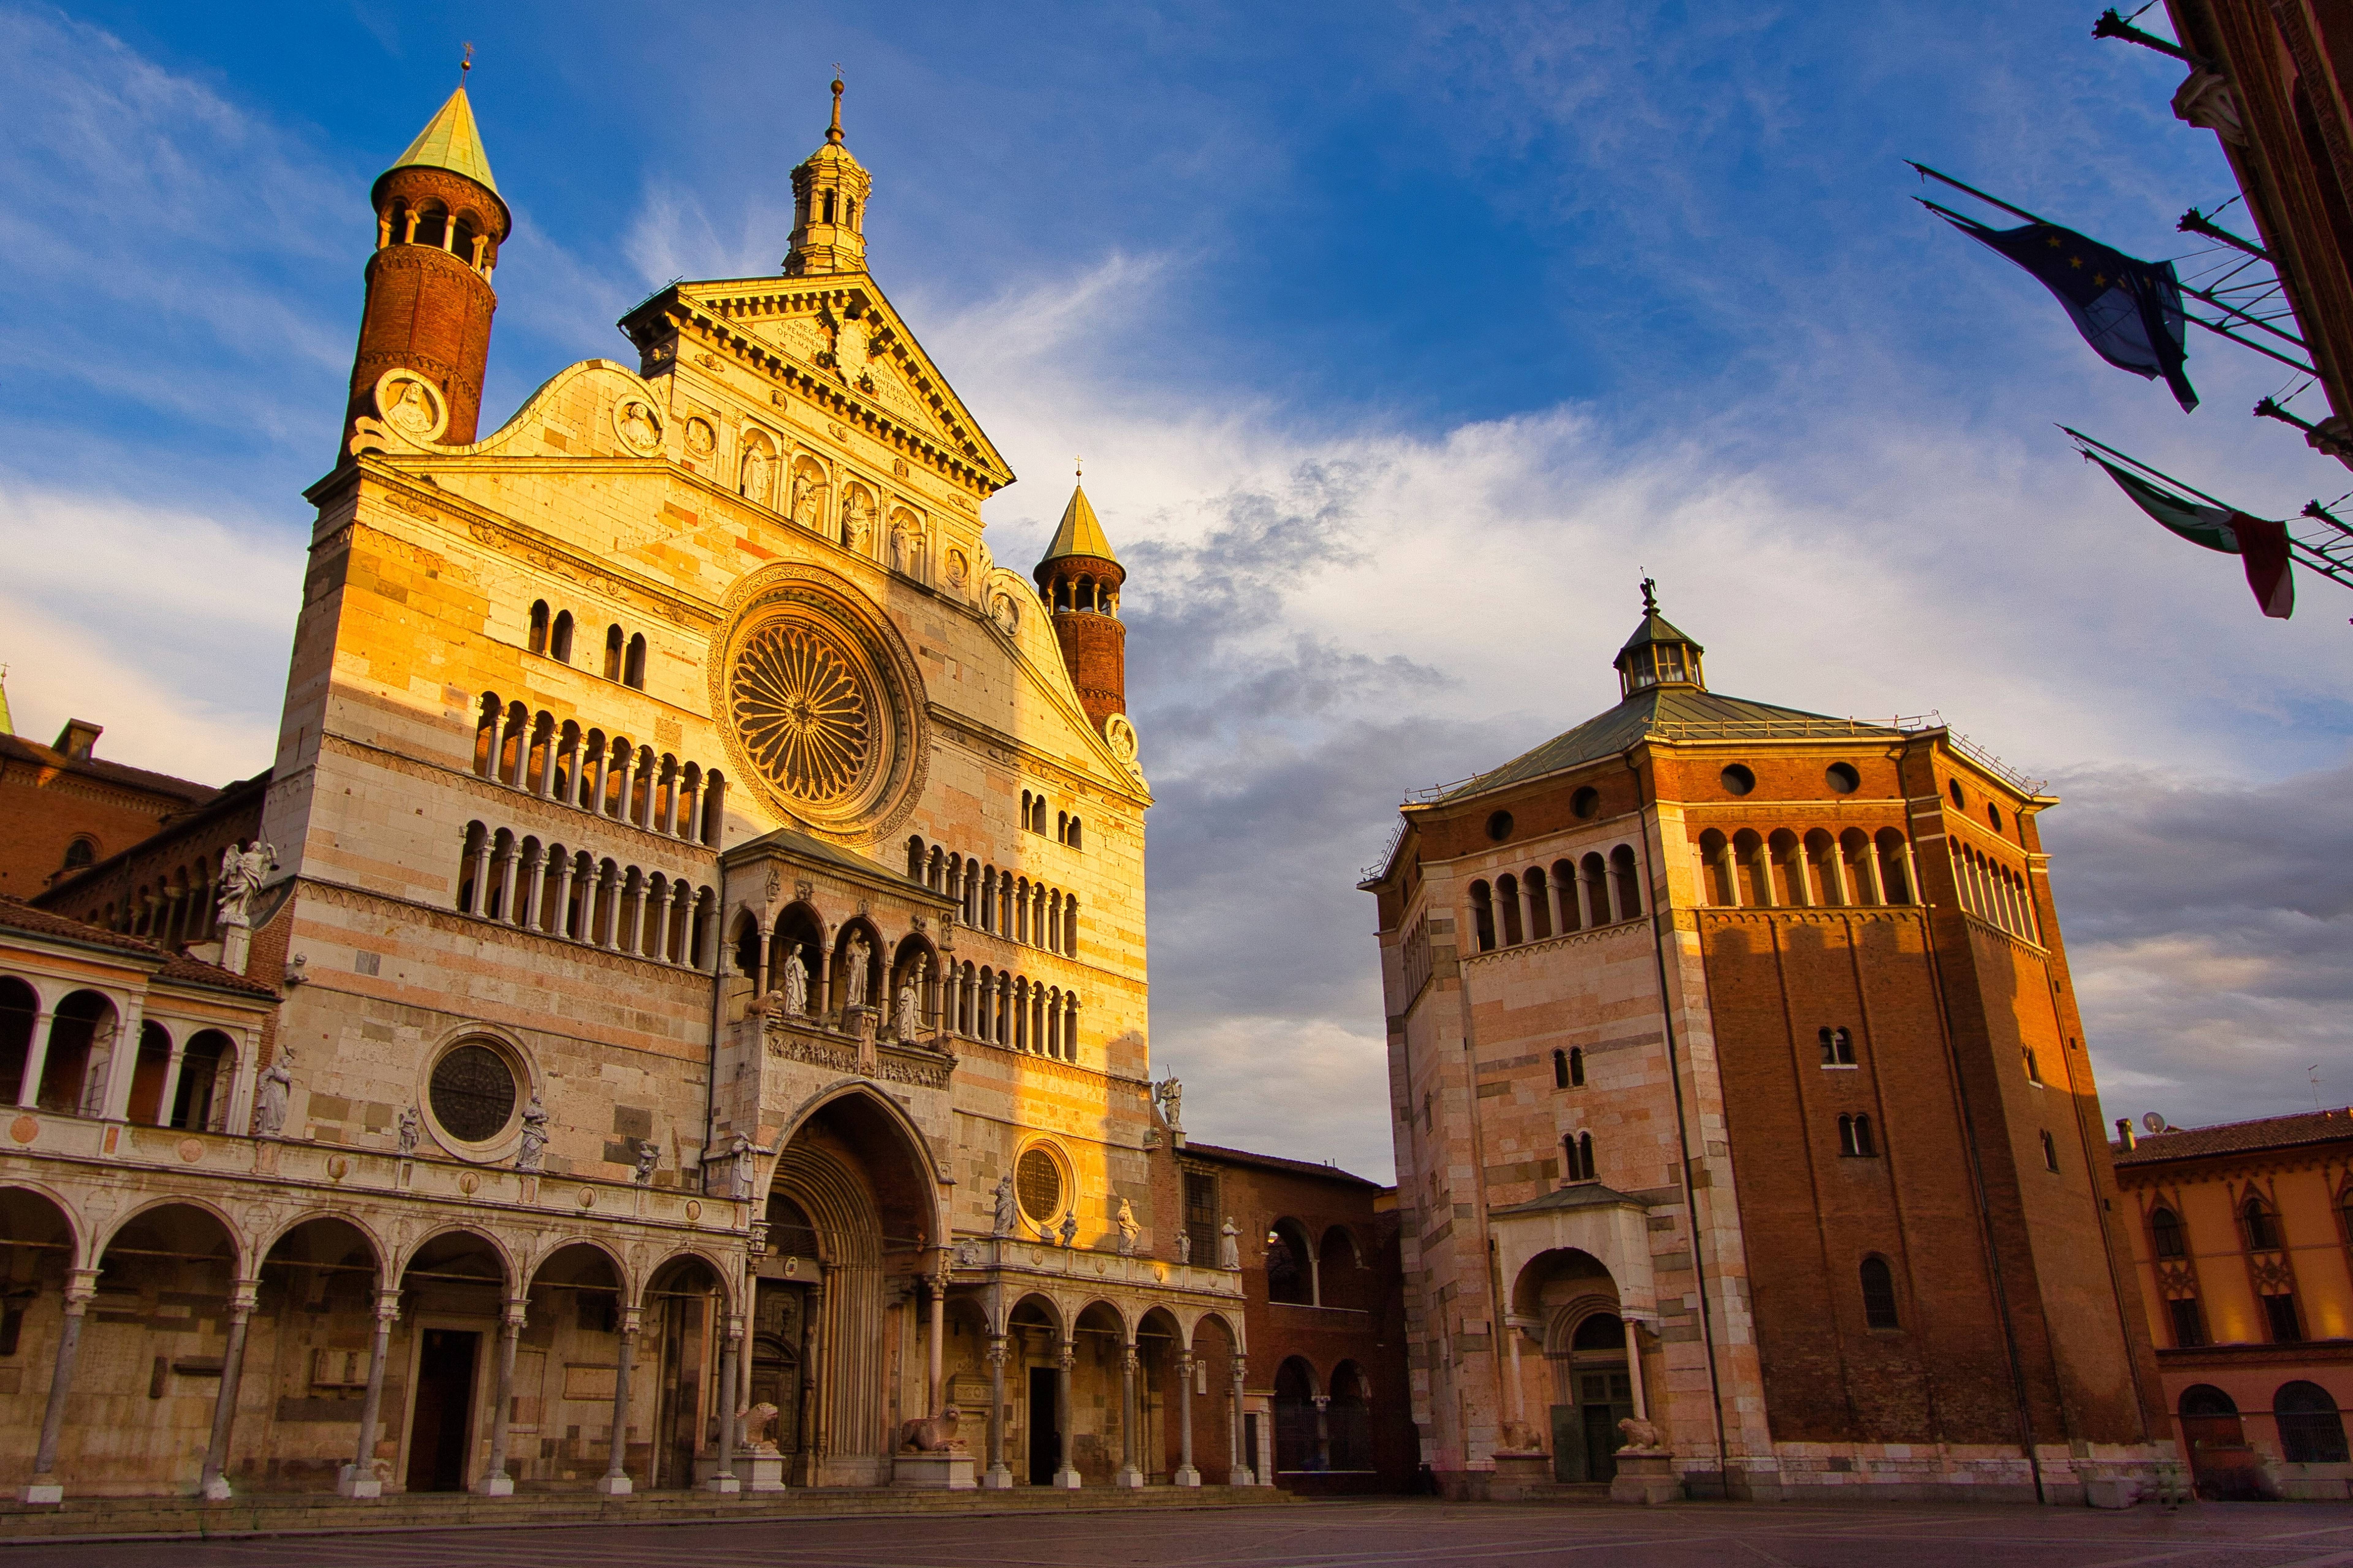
[[821, 703]]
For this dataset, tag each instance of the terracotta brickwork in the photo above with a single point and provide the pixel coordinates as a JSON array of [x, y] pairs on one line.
[[1734, 1046], [52, 796]]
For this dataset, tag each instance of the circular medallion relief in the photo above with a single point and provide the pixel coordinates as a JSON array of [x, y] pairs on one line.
[[700, 439], [411, 404], [638, 425], [823, 705]]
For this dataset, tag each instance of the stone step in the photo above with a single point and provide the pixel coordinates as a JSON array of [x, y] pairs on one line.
[[317, 1513]]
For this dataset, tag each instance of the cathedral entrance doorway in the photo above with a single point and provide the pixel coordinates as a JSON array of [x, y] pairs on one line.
[[1045, 1430], [1599, 1394], [443, 1411]]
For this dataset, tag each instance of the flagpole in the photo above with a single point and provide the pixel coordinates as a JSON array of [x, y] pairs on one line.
[[2145, 468], [1980, 195]]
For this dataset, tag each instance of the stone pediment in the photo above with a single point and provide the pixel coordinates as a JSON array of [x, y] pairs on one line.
[[838, 336]]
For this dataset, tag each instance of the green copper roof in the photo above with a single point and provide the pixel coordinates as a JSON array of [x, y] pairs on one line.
[[1669, 713], [450, 141], [1080, 534], [1657, 628]]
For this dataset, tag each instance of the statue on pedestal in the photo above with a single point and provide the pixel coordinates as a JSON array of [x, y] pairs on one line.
[[277, 1092], [1008, 1217], [796, 983], [1229, 1246], [854, 978], [535, 1136], [1128, 1229]]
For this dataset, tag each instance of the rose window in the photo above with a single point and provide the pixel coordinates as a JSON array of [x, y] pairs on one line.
[[804, 712]]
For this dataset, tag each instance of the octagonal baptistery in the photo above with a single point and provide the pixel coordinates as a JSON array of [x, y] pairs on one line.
[[1735, 1045], [697, 886]]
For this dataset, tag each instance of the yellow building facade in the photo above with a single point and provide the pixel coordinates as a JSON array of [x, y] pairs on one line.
[[712, 930]]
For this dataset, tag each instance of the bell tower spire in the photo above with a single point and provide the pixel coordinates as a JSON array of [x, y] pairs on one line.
[[439, 221], [829, 190], [1080, 579]]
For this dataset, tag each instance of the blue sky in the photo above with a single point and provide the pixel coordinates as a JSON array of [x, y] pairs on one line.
[[1401, 341]]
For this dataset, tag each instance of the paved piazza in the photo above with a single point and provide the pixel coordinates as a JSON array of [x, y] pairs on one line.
[[2211, 1535]]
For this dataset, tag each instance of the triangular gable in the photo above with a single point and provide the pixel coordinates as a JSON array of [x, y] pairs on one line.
[[803, 319]]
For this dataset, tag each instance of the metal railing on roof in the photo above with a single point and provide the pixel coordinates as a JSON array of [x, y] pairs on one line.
[[1934, 719], [1380, 867]]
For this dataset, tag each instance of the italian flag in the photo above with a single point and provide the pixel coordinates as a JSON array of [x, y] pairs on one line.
[[2260, 544]]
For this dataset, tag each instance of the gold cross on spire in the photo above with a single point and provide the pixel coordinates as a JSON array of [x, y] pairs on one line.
[[1080, 464], [465, 65]]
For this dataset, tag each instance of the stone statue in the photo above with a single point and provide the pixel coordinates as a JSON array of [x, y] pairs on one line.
[[854, 981], [739, 1182], [898, 550], [1183, 1246], [1170, 1095], [855, 521], [535, 1136], [908, 1016], [796, 978], [1519, 1437], [277, 1091], [648, 1156], [1229, 1246], [242, 870], [757, 1429], [956, 571], [1639, 1434], [1128, 1229], [1070, 1231], [931, 1434], [1009, 1216], [409, 1131], [806, 491], [755, 473]]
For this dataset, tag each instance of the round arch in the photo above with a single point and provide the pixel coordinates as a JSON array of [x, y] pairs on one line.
[[624, 1279], [378, 1253], [240, 1245], [406, 1258]]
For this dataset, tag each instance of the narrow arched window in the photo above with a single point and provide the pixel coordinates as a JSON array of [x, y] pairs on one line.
[[82, 852], [1629, 883], [2165, 1233], [1576, 1066], [1577, 1156], [2263, 1226], [1482, 916], [2050, 1155], [539, 626], [1864, 1143], [634, 673], [559, 640], [1879, 1295], [613, 643], [1846, 1137], [1561, 1069]]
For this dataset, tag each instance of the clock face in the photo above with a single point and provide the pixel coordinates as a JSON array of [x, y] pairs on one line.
[[821, 704]]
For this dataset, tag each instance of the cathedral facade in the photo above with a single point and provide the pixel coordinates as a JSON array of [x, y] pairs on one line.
[[1746, 1143], [706, 894]]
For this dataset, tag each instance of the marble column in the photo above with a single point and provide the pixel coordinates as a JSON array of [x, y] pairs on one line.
[[534, 882], [212, 1484], [36, 1059], [670, 804], [479, 898], [495, 1481], [1513, 1328], [1066, 1475], [1131, 1474], [563, 896], [498, 725], [1186, 1476], [935, 1292], [1322, 1431], [615, 1482], [81, 1284], [625, 805], [1240, 1475], [999, 1477], [173, 1063], [359, 1477], [1634, 1369], [731, 1348]]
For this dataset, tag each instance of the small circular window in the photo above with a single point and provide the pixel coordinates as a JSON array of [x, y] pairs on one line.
[[1993, 814], [1037, 1183], [1585, 802], [1499, 826], [473, 1092], [1842, 778], [1738, 780]]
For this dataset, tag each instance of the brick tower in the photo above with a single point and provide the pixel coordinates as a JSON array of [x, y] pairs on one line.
[[439, 222], [1080, 579], [1739, 1087]]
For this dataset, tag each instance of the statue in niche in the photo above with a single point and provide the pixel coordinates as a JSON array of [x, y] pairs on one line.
[[854, 979], [1229, 1246], [242, 870], [1183, 1246], [535, 1136], [857, 521], [1070, 1232], [1170, 1095], [648, 1156], [277, 1093], [755, 473], [409, 1131], [898, 550], [739, 1180], [1128, 1229], [808, 494], [909, 1015], [1008, 1215], [796, 983], [957, 570]]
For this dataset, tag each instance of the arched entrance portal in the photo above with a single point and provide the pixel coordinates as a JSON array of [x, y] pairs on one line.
[[851, 1223], [1567, 1302]]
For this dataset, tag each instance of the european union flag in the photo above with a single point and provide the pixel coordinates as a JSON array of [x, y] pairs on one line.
[[2128, 311]]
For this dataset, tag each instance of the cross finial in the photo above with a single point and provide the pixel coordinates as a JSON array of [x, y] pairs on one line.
[[465, 65], [1650, 597], [1080, 464], [834, 132]]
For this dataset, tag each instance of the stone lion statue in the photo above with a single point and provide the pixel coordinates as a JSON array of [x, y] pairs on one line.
[[1520, 1438], [931, 1434], [759, 1422], [1639, 1433]]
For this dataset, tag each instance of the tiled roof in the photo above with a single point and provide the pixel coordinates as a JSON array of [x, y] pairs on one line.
[[1080, 534], [18, 915], [451, 141], [1277, 1163], [2238, 1137], [19, 749], [1670, 713]]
